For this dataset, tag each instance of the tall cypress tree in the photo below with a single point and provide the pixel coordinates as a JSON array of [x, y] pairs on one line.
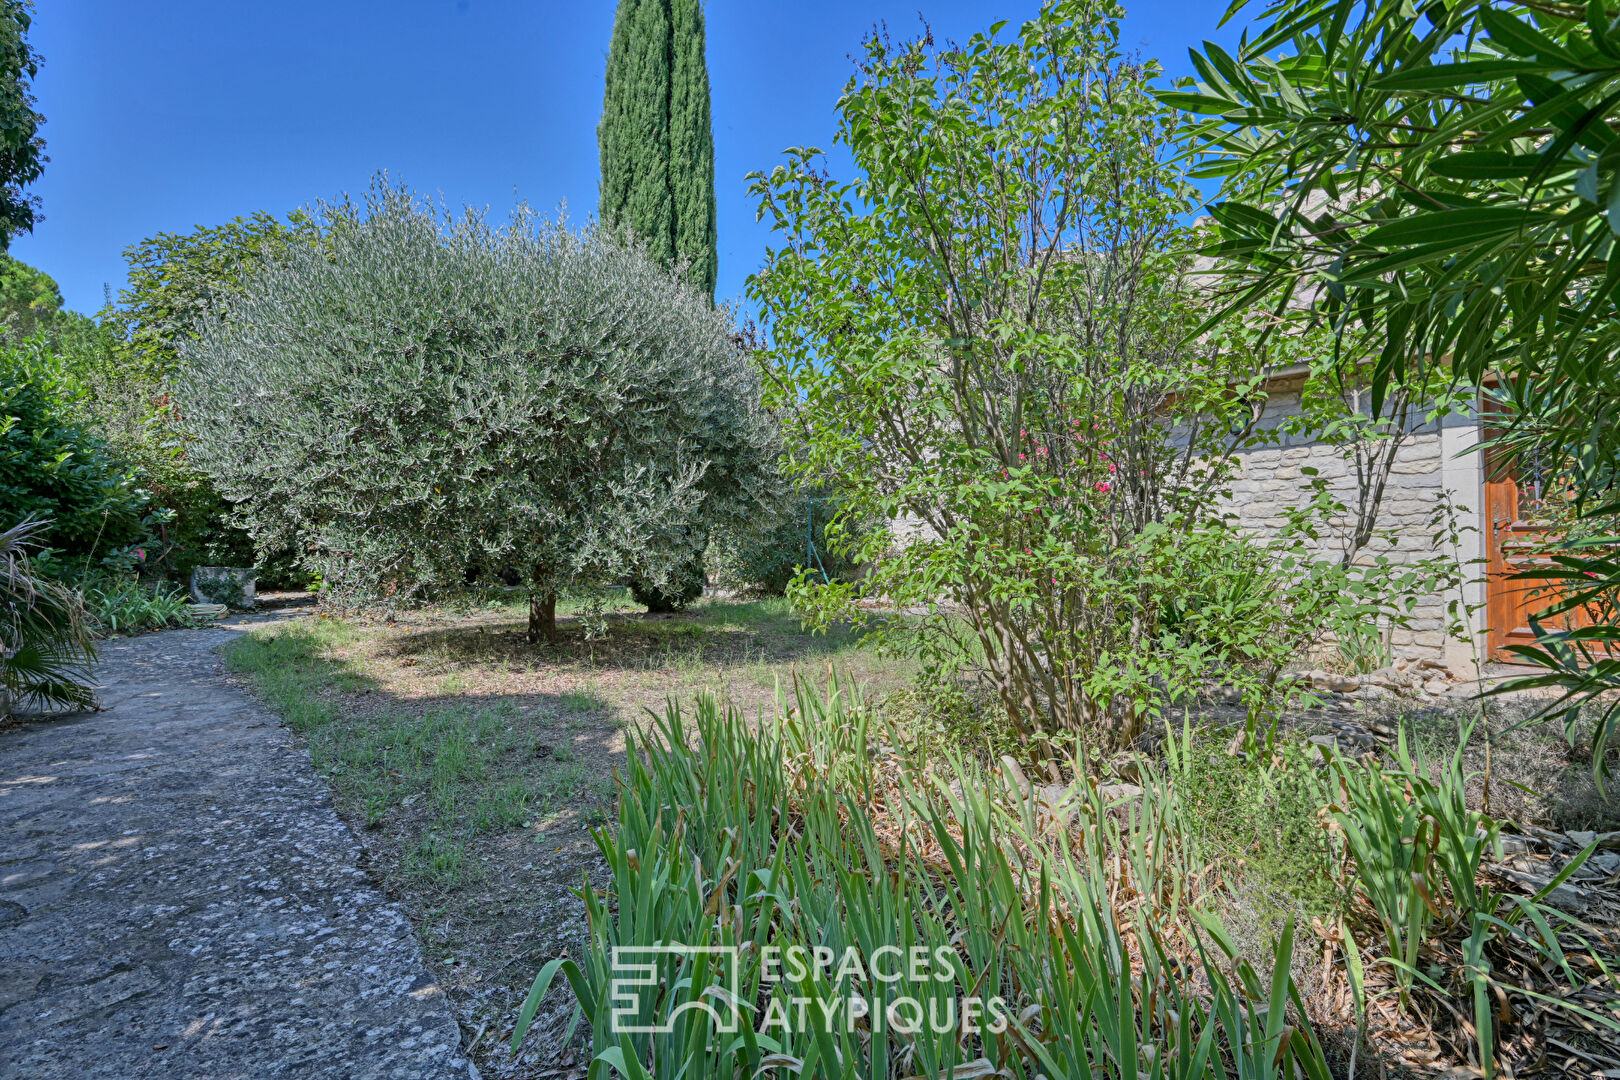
[[691, 146], [656, 140]]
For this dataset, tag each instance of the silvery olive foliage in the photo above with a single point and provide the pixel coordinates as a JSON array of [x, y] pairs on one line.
[[431, 401]]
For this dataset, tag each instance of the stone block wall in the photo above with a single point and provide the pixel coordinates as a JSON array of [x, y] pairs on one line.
[[1436, 461], [1425, 472]]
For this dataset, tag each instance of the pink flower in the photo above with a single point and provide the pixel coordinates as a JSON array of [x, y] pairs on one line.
[[1026, 551], [1111, 467], [1020, 457], [1103, 485], [140, 553]]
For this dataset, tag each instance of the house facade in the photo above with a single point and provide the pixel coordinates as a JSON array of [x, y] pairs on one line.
[[1441, 498]]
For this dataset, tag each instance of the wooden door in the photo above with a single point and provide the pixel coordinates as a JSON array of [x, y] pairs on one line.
[[1512, 534], [1516, 539]]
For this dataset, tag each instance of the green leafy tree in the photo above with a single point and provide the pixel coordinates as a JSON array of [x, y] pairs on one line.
[[1440, 184], [980, 337], [179, 283], [31, 304], [56, 469], [22, 150], [428, 402], [28, 297], [655, 136]]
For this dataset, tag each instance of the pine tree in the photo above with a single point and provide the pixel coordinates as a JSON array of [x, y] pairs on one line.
[[656, 141]]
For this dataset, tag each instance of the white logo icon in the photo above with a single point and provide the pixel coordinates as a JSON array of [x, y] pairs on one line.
[[636, 967]]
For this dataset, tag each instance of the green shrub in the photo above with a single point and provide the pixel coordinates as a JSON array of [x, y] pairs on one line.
[[426, 402], [1013, 407], [764, 559], [1229, 584], [46, 649], [685, 585], [123, 393], [55, 469], [1258, 822], [127, 605], [953, 715]]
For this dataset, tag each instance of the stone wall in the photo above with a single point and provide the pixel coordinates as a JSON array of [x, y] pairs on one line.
[[1436, 459], [1426, 468]]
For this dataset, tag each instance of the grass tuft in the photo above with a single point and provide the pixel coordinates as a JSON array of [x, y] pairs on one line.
[[438, 776]]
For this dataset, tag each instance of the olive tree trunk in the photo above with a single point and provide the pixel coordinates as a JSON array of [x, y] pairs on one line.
[[542, 618]]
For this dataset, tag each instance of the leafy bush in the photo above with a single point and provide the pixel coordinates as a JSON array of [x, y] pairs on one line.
[[1013, 379], [428, 401], [936, 712], [56, 470], [1362, 647], [1256, 820], [126, 605], [770, 554], [685, 585], [45, 643], [178, 282], [1237, 581]]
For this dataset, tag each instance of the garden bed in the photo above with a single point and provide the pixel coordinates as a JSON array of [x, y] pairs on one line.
[[473, 765]]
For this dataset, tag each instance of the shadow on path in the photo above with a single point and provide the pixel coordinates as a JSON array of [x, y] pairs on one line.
[[179, 899]]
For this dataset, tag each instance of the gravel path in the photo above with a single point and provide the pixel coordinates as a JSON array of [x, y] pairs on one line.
[[178, 898]]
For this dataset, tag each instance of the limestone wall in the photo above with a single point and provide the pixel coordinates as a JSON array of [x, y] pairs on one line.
[[1435, 459], [1426, 468]]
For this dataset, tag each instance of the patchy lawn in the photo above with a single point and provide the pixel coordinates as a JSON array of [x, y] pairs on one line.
[[473, 764]]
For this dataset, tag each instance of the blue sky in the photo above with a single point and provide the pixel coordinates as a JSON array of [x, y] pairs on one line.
[[164, 116]]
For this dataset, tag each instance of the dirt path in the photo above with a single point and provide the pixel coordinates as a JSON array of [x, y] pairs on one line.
[[179, 899]]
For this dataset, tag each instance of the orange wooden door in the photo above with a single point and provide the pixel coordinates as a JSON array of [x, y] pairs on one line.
[[1510, 540], [1517, 539]]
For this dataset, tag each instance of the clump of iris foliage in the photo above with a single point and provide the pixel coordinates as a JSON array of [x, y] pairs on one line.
[[811, 832]]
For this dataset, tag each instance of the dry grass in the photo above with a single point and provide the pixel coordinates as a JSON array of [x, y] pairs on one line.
[[473, 764]]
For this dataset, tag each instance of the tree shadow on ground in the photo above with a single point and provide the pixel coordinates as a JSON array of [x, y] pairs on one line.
[[632, 642]]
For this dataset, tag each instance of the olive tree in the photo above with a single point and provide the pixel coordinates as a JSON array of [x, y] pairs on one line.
[[431, 401]]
